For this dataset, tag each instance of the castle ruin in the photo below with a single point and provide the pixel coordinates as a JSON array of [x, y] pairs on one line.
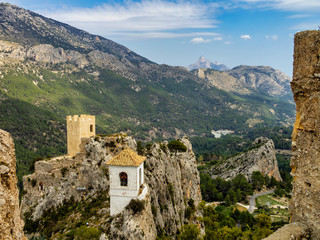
[[78, 127]]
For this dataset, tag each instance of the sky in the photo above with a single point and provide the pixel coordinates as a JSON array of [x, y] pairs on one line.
[[234, 32]]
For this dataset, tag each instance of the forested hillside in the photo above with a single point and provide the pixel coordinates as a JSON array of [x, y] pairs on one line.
[[49, 70]]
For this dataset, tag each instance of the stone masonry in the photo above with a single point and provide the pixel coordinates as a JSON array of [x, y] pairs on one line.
[[78, 127]]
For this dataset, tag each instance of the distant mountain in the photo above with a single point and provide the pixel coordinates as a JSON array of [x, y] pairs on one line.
[[264, 79], [49, 70], [261, 157], [206, 64], [248, 80]]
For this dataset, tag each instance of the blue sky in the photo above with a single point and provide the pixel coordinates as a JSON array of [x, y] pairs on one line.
[[235, 32]]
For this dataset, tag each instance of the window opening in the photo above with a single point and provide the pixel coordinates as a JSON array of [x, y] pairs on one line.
[[123, 179]]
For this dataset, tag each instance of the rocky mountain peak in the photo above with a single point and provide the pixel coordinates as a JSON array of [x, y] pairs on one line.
[[261, 157], [264, 79], [206, 64]]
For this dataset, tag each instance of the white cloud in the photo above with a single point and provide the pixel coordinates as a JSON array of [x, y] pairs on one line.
[[306, 26], [149, 35], [228, 43], [294, 16], [245, 36], [272, 37], [145, 16], [217, 38], [288, 5], [199, 40]]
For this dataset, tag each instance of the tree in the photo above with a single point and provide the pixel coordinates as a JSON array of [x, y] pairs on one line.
[[258, 180], [190, 232], [227, 201], [263, 221]]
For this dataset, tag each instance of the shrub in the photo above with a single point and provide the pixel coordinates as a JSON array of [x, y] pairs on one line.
[[33, 182], [189, 212], [190, 232], [139, 148], [31, 168], [153, 210], [84, 232], [171, 192], [64, 171], [177, 146], [136, 205]]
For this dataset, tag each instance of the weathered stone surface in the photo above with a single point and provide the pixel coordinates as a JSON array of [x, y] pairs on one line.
[[305, 162], [293, 231], [11, 224], [173, 179], [139, 226], [262, 158], [47, 53]]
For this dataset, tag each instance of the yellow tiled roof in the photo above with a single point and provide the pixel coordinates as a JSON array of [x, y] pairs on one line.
[[127, 157]]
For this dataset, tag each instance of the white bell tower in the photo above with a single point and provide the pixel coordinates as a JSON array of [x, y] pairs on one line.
[[126, 172]]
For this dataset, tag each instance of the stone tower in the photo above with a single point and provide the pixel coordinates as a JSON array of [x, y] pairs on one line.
[[126, 177], [78, 127]]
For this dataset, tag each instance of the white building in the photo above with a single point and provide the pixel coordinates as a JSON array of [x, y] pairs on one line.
[[126, 178]]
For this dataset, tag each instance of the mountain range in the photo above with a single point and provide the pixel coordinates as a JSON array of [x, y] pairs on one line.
[[206, 64], [49, 70], [246, 80]]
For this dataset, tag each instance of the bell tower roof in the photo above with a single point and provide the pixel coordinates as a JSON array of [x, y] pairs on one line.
[[127, 157]]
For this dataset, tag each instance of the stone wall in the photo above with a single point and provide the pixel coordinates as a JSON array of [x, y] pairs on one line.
[[10, 222], [78, 127]]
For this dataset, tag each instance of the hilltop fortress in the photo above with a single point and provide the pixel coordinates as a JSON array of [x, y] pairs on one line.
[[108, 168]]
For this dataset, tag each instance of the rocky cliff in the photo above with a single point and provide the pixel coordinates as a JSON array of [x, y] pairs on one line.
[[249, 80], [10, 222], [172, 178], [264, 79], [305, 162], [262, 157]]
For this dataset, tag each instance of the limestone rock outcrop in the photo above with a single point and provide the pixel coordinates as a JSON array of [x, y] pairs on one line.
[[261, 158], [173, 179], [61, 178], [293, 231], [171, 176], [130, 226], [305, 162], [11, 224]]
